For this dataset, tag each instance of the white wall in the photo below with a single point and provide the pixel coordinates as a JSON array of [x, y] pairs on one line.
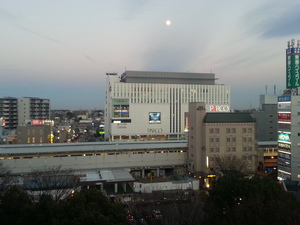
[[163, 186]]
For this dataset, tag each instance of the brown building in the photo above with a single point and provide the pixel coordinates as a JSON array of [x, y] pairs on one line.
[[220, 137], [34, 134]]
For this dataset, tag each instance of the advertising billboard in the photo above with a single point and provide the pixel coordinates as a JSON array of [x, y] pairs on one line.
[[292, 68], [284, 117], [120, 107], [37, 122], [154, 117], [3, 122], [284, 137]]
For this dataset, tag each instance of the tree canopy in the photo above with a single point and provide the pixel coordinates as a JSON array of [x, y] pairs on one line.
[[236, 200], [84, 207]]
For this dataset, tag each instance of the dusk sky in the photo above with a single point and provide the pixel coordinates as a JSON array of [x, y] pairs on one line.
[[61, 50]]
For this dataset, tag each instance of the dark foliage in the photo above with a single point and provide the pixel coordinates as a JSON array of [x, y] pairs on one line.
[[85, 207], [259, 201]]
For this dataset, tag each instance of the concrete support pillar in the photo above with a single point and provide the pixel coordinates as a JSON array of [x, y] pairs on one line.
[[157, 172], [143, 173], [116, 188]]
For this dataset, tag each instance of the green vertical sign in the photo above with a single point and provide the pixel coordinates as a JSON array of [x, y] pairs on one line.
[[292, 68]]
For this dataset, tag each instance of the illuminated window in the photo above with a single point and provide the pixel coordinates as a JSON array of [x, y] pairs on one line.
[[28, 140]]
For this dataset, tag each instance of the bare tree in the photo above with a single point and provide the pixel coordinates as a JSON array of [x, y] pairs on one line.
[[224, 163], [51, 181]]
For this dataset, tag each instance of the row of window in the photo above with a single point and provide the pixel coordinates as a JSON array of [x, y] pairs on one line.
[[231, 149], [229, 130], [231, 139], [233, 157]]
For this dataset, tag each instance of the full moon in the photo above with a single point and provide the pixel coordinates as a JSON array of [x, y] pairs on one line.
[[168, 22]]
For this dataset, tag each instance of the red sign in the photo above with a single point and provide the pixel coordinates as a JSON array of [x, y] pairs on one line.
[[37, 122], [284, 117]]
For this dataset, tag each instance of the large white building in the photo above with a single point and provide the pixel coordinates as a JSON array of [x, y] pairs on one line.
[[154, 105]]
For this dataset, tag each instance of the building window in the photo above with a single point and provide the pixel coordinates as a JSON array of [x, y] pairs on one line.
[[228, 149], [249, 149], [244, 149], [211, 150], [244, 157], [227, 130], [250, 157], [233, 130], [233, 139], [244, 139], [217, 139], [249, 139], [28, 140], [211, 131], [228, 139], [233, 149], [217, 150], [250, 129], [217, 130], [244, 130], [211, 140]]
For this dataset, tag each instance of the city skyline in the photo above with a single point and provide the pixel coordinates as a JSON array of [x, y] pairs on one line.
[[61, 50]]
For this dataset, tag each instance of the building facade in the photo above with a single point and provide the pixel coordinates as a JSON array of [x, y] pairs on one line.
[[30, 108], [32, 134], [230, 137], [289, 118], [154, 105], [9, 112]]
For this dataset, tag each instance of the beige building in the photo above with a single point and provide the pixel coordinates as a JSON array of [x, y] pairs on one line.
[[228, 136], [34, 134]]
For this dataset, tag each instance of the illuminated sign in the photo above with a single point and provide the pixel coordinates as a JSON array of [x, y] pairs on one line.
[[120, 107], [218, 108], [154, 117], [284, 145], [292, 67], [37, 122], [3, 122], [284, 137], [284, 117]]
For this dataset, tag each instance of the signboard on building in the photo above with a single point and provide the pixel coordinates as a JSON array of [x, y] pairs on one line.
[[37, 122], [292, 67], [154, 117], [284, 137], [284, 99], [217, 108], [284, 117], [3, 122], [120, 107]]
